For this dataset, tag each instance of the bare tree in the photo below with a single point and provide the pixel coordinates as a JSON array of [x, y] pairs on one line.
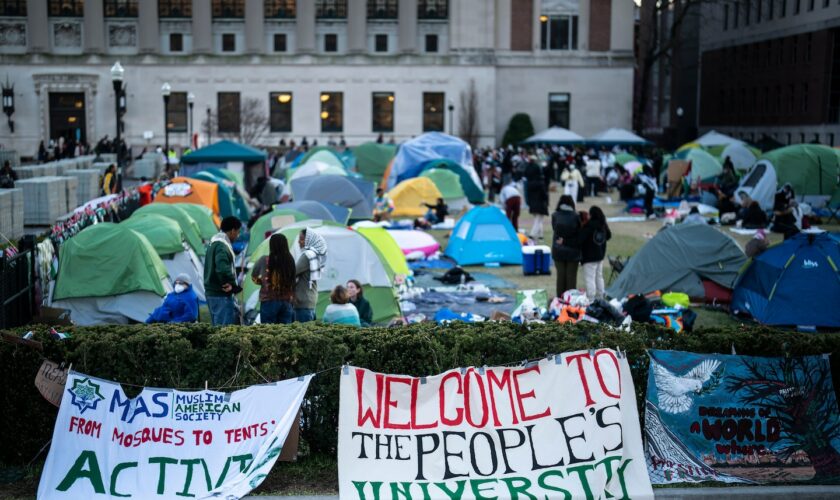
[[468, 121], [253, 123]]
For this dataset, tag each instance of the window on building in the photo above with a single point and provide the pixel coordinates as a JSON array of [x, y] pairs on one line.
[[280, 111], [174, 8], [791, 97], [432, 9], [794, 49], [176, 42], [783, 8], [331, 9], [282, 9], [810, 5], [431, 43], [382, 9], [558, 110], [558, 32], [725, 17], [330, 42], [736, 10], [228, 42], [13, 8], [381, 43], [796, 6], [758, 8], [228, 8], [433, 111], [771, 5], [228, 112], [747, 11], [332, 112], [120, 8], [804, 106], [808, 47], [383, 112], [66, 8], [176, 116], [280, 42]]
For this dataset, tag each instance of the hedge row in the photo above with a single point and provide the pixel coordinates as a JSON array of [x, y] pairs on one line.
[[185, 356]]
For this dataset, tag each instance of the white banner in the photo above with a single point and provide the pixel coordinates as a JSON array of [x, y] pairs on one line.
[[566, 427], [166, 443]]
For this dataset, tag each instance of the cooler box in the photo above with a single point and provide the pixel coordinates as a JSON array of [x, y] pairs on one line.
[[536, 259]]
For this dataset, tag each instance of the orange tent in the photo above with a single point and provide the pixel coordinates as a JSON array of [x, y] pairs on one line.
[[186, 190]]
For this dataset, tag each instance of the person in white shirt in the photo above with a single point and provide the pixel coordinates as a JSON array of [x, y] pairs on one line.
[[593, 176], [512, 201]]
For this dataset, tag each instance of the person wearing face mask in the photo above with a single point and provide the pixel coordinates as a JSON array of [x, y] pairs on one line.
[[179, 306]]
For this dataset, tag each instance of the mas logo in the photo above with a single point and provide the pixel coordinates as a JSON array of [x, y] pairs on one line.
[[85, 394], [810, 264]]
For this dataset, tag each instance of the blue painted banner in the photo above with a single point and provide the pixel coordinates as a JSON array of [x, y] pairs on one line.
[[741, 419]]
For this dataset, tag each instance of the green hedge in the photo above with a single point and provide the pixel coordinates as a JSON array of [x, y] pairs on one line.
[[187, 355]]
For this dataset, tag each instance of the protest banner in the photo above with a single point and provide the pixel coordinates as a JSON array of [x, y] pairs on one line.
[[566, 426], [741, 419], [166, 443], [50, 381]]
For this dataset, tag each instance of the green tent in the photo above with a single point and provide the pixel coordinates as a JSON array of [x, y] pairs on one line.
[[230, 175], [372, 159], [188, 225], [703, 165], [203, 216], [163, 233], [349, 256], [811, 169], [264, 224], [447, 182], [223, 152], [230, 200], [323, 154], [473, 191], [105, 260], [622, 158], [388, 247]]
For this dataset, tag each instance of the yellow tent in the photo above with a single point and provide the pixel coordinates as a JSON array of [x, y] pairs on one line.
[[409, 195]]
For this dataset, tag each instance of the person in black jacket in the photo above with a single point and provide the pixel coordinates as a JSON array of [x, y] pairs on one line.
[[593, 246], [537, 196], [565, 247]]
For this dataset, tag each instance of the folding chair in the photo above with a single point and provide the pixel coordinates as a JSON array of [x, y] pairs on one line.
[[617, 265]]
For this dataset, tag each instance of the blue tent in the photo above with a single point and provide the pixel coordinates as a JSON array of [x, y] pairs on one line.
[[355, 194], [413, 154], [796, 282], [484, 235], [318, 210]]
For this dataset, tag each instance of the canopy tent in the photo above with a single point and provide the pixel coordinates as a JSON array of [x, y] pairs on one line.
[[166, 237], [231, 202], [387, 246], [203, 216], [177, 213], [372, 159], [410, 195], [349, 256], [412, 241], [224, 151], [449, 185], [317, 210], [617, 137], [424, 148], [484, 235], [272, 221], [324, 154], [555, 135], [109, 273], [704, 166], [186, 190], [796, 283], [742, 156], [678, 259], [355, 194]]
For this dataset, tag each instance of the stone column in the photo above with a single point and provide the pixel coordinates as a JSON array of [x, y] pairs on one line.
[[202, 27], [305, 25], [254, 27], [407, 17], [94, 28], [37, 26], [584, 21], [356, 26], [149, 27]]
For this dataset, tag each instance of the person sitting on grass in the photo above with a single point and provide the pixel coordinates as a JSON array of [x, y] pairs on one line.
[[357, 298], [341, 311]]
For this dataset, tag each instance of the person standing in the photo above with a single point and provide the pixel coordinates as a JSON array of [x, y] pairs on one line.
[[275, 273], [537, 197], [572, 181], [220, 275], [357, 298], [512, 201], [593, 238], [648, 183], [565, 248], [109, 181], [308, 271], [8, 176], [593, 176]]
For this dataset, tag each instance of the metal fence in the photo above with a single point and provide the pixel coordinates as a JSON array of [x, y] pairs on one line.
[[17, 286]]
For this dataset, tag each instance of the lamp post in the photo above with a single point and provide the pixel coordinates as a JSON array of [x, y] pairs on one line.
[[451, 113], [165, 90], [9, 103], [190, 102], [209, 125], [117, 73]]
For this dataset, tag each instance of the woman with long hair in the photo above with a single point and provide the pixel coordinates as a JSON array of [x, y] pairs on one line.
[[357, 298], [275, 273], [593, 240]]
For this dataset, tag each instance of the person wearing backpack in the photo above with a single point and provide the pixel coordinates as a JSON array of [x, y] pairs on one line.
[[593, 237]]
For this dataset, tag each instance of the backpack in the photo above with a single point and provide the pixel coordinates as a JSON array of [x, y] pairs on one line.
[[455, 276], [639, 308]]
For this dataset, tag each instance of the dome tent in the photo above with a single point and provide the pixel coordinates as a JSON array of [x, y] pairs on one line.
[[412, 241], [793, 283], [166, 237], [386, 244], [470, 183], [272, 221], [414, 156], [678, 259], [484, 235], [355, 194], [324, 154], [187, 190], [202, 216], [704, 166], [372, 159], [109, 273], [232, 198], [317, 210], [349, 256], [410, 195], [175, 212], [449, 186]]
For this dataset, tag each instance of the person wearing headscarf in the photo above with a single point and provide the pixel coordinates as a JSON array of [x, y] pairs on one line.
[[179, 306], [310, 264]]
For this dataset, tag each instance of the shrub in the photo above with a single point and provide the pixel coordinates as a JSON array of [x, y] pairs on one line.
[[519, 129]]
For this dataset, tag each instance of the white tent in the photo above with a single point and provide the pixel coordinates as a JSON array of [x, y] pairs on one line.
[[714, 138], [740, 155], [617, 136], [312, 168], [759, 184], [555, 135]]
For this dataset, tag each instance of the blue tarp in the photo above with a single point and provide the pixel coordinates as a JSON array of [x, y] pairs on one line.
[[427, 147]]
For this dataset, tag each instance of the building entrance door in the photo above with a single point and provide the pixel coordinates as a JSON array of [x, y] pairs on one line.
[[67, 116]]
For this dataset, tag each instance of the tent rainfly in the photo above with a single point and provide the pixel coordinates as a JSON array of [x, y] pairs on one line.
[[617, 136], [555, 135]]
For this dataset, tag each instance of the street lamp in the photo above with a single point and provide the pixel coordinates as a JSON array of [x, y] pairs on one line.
[[190, 102], [117, 73], [9, 103], [451, 112], [165, 90]]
